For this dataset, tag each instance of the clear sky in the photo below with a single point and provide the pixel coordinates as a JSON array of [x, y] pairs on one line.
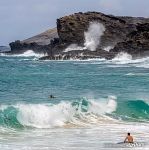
[[21, 19]]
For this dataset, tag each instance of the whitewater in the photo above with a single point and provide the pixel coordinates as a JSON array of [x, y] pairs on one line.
[[94, 100]]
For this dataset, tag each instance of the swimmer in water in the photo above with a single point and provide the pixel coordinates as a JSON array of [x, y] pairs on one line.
[[51, 96], [128, 139]]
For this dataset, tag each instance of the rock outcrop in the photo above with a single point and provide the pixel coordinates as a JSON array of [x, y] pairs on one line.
[[71, 28], [136, 43], [128, 34], [42, 43]]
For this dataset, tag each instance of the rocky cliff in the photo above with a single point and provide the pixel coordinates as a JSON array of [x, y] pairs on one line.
[[136, 43], [71, 28], [129, 34]]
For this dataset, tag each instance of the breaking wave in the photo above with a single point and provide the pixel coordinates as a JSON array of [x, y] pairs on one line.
[[121, 60], [80, 112]]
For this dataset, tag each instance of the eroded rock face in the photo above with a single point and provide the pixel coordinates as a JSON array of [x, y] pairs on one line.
[[128, 34], [71, 28], [137, 42]]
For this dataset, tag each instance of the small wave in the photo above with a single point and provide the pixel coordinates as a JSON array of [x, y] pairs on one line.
[[130, 74], [137, 74], [122, 58], [80, 112], [133, 110], [126, 58], [28, 53]]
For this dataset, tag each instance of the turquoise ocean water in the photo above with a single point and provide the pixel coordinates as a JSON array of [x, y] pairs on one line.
[[94, 101]]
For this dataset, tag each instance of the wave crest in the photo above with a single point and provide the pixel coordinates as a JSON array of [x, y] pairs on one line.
[[80, 112]]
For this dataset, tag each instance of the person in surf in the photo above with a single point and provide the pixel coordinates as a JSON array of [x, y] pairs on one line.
[[128, 139], [51, 96]]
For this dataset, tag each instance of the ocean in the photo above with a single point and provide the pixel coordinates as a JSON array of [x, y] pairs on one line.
[[68, 105]]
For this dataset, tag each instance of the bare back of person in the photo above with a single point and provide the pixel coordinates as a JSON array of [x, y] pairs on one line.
[[128, 139]]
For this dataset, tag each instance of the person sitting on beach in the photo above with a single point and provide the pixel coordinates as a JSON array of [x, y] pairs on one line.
[[128, 139]]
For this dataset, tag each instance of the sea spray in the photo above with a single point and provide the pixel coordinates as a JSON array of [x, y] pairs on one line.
[[93, 35], [108, 48], [122, 58], [111, 105], [92, 38], [103, 107], [73, 47]]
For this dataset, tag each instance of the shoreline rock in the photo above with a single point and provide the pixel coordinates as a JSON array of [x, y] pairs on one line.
[[137, 42], [123, 34]]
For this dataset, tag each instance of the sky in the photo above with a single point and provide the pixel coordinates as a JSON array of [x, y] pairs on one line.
[[21, 19]]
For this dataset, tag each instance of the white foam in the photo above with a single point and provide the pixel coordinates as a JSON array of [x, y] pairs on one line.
[[103, 107], [44, 116], [137, 74], [28, 53], [122, 58], [130, 74], [126, 59], [108, 48], [73, 47], [111, 105], [58, 115]]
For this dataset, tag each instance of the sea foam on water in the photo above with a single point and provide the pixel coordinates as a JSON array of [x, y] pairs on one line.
[[28, 53]]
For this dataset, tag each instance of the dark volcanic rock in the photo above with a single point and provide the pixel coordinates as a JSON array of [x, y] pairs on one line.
[[128, 34], [82, 55], [71, 28], [20, 47], [137, 42], [42, 43]]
